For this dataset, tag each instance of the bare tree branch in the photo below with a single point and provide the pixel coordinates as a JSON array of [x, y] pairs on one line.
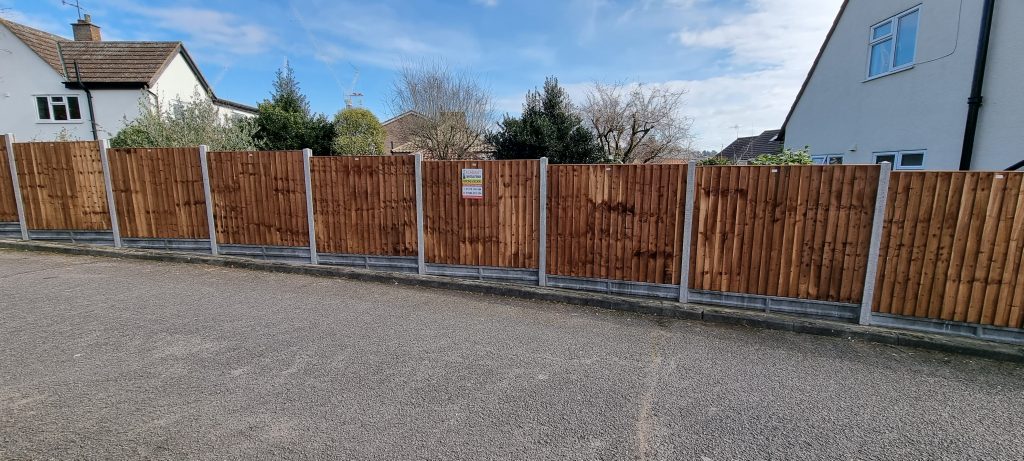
[[637, 123], [455, 109]]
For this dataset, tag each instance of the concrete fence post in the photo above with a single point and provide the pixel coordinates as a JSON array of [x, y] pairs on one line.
[[115, 226], [877, 223], [421, 261], [684, 264], [307, 156], [19, 204], [211, 225], [542, 244]]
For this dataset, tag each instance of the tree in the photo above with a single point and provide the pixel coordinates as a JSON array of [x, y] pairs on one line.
[[358, 132], [455, 109], [638, 123], [186, 123], [549, 126], [285, 122]]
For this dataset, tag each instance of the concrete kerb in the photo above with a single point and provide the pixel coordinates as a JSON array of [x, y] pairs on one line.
[[670, 309]]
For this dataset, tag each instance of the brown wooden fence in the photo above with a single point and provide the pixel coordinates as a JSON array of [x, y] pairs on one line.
[[159, 193], [62, 185], [259, 198], [8, 207], [952, 248], [501, 229], [619, 222], [797, 232], [365, 205]]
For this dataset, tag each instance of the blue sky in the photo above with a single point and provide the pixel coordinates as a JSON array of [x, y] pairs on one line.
[[741, 61]]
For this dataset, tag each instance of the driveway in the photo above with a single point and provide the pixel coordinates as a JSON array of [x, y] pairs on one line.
[[107, 358]]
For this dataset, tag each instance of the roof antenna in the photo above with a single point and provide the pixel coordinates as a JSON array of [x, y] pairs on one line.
[[77, 4]]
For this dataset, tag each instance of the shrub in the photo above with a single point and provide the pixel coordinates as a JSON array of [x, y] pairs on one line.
[[717, 160], [786, 157]]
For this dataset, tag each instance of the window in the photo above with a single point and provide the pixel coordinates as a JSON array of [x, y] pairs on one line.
[[58, 108], [893, 43], [830, 159], [902, 160]]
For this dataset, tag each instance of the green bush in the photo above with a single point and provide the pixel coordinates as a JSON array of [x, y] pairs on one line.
[[786, 157], [717, 160], [186, 123]]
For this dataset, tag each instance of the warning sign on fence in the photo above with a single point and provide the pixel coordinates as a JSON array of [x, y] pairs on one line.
[[473, 183]]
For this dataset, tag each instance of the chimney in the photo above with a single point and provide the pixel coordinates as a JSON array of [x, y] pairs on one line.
[[85, 30]]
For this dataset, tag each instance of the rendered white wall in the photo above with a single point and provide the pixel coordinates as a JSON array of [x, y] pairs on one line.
[[924, 107], [177, 82], [1001, 125]]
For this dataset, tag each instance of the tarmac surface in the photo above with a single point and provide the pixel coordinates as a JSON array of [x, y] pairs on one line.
[[112, 359]]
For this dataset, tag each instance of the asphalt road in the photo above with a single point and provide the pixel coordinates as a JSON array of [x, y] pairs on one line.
[[116, 359]]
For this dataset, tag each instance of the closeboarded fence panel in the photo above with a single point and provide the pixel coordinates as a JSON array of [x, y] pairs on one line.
[[618, 222], [159, 192], [365, 205], [259, 198], [62, 185], [952, 248], [501, 229], [793, 231], [8, 208]]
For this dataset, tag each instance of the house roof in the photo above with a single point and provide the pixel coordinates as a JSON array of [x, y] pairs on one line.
[[744, 149], [401, 116], [817, 59], [118, 62], [42, 43], [110, 63]]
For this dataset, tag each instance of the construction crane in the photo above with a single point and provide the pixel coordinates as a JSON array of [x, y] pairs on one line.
[[352, 89]]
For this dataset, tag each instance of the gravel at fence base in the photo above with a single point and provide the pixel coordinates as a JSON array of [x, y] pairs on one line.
[[103, 358]]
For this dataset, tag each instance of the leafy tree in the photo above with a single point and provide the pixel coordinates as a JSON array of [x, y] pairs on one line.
[[549, 126], [358, 132], [786, 157], [285, 122], [185, 124]]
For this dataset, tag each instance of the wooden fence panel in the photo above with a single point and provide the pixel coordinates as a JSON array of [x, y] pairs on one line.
[[365, 205], [259, 198], [500, 230], [8, 207], [159, 192], [953, 247], [62, 185], [795, 231], [618, 222]]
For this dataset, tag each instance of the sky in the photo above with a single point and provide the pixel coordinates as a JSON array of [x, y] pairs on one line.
[[740, 61]]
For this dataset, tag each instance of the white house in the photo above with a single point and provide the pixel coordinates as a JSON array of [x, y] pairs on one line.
[[86, 88], [898, 80]]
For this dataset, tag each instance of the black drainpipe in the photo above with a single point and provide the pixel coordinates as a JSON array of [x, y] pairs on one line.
[[88, 99], [974, 102]]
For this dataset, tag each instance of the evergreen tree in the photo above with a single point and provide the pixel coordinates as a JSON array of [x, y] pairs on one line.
[[285, 122], [549, 127]]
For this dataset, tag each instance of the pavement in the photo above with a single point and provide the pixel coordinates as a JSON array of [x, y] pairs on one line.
[[125, 359]]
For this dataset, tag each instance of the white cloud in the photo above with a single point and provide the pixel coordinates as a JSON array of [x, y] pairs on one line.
[[487, 3], [771, 47], [209, 29]]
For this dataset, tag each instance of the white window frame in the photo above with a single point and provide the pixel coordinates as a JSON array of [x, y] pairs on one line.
[[894, 35], [50, 103], [897, 163], [824, 158]]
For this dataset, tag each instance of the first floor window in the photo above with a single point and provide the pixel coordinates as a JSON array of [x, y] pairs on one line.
[[830, 159], [893, 43], [902, 160], [58, 108]]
